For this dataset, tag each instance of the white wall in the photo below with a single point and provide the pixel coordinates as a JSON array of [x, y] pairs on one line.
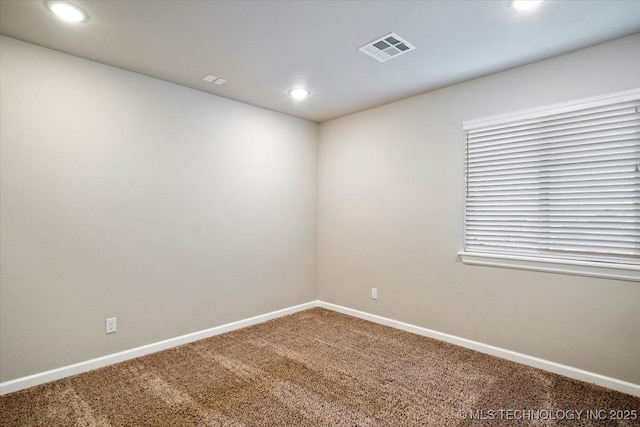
[[391, 217], [126, 196]]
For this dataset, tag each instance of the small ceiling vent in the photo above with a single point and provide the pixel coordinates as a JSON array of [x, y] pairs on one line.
[[387, 47]]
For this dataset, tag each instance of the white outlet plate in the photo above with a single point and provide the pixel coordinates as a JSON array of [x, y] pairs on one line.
[[374, 293], [112, 325]]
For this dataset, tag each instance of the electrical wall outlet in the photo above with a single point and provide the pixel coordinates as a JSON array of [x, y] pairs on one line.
[[374, 293], [111, 325]]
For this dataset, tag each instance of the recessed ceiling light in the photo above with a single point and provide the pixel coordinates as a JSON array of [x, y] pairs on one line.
[[525, 4], [299, 93], [67, 12]]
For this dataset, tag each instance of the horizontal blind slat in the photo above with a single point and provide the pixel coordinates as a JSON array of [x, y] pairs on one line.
[[553, 149], [605, 179], [541, 159], [557, 170], [579, 174], [593, 161], [602, 127]]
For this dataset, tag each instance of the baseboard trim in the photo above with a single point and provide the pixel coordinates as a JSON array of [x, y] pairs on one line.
[[546, 365], [89, 365], [110, 359]]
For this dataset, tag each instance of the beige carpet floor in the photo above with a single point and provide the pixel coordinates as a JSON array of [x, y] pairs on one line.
[[318, 368]]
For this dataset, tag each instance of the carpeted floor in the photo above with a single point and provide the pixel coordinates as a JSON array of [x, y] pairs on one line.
[[318, 368]]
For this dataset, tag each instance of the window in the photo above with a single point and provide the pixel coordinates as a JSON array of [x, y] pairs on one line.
[[556, 185]]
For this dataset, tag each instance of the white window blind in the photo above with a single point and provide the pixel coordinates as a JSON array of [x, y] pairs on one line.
[[560, 182]]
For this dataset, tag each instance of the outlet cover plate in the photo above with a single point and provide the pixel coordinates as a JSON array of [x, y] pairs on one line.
[[112, 325]]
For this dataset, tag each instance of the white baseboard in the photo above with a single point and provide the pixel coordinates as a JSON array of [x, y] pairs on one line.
[[89, 365], [110, 359], [546, 365]]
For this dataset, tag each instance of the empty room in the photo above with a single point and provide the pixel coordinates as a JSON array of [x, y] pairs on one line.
[[319, 213]]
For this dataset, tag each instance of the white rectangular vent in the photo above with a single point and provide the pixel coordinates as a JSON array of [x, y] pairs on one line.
[[387, 47]]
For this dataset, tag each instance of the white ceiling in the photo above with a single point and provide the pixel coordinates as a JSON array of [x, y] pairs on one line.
[[264, 48]]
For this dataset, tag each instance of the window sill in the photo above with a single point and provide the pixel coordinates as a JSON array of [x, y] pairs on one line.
[[579, 268]]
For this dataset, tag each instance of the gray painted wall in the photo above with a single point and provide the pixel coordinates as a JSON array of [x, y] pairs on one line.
[[126, 196], [391, 212]]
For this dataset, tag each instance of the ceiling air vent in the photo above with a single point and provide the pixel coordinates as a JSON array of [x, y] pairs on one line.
[[387, 47]]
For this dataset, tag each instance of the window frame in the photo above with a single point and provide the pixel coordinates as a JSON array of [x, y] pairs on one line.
[[611, 270]]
